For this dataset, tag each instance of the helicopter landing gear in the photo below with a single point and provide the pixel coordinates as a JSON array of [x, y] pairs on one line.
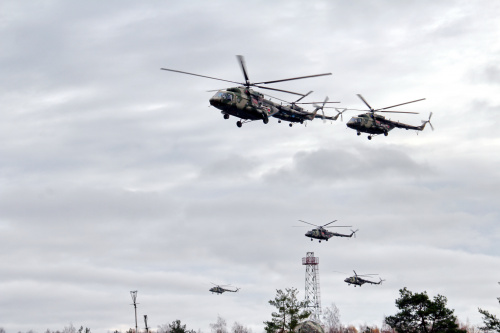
[[369, 137], [359, 133], [386, 133], [290, 124], [226, 116], [320, 241], [279, 121], [265, 119], [239, 123]]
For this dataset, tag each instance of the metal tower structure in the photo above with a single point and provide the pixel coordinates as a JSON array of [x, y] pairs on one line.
[[312, 285], [134, 297]]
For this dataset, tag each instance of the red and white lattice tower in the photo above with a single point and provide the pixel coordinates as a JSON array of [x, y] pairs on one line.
[[312, 285]]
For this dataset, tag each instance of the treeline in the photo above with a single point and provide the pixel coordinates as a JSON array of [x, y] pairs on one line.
[[417, 313]]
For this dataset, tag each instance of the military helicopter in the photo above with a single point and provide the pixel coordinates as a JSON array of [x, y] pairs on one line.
[[243, 102], [375, 124], [356, 280], [322, 234], [294, 113], [218, 289]]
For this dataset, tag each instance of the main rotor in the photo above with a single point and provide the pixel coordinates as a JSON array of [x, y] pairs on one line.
[[372, 110], [247, 82]]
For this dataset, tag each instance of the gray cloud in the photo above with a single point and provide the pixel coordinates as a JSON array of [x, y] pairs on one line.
[[117, 176]]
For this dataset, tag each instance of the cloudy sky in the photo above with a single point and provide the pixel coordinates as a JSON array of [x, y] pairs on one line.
[[117, 176]]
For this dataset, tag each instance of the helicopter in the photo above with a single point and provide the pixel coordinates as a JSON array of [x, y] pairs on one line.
[[322, 234], [294, 113], [356, 280], [375, 124], [243, 102], [218, 289]]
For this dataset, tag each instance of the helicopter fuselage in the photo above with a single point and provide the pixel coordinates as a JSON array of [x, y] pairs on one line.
[[251, 105], [323, 234], [242, 103], [367, 123], [356, 281], [320, 234]]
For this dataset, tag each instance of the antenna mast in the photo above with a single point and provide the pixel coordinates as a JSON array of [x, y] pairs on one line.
[[312, 285], [134, 297]]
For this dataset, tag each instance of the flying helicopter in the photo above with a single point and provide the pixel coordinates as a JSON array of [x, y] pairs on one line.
[[356, 280], [219, 289], [322, 234], [243, 102], [294, 113], [375, 124]]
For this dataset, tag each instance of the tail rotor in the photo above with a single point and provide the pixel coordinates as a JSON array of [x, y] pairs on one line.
[[339, 113], [428, 121], [321, 107]]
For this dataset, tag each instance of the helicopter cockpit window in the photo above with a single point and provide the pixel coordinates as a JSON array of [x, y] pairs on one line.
[[225, 96]]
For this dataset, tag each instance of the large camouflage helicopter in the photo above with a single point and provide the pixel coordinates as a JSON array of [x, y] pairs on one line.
[[246, 103], [356, 280], [219, 289], [375, 124], [322, 234]]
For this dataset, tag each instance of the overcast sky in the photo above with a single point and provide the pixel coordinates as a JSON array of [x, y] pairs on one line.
[[117, 176]]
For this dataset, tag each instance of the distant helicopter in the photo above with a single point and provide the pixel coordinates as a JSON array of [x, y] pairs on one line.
[[243, 102], [356, 280], [375, 124], [294, 113], [322, 234], [220, 289]]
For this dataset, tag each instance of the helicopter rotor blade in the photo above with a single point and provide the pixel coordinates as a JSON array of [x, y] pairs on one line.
[[303, 97], [207, 77], [309, 223], [388, 107], [318, 102], [398, 112], [294, 78], [324, 225], [241, 59], [285, 91], [366, 103], [340, 226]]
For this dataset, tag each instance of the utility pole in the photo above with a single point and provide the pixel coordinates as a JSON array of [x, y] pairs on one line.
[[146, 323], [134, 297]]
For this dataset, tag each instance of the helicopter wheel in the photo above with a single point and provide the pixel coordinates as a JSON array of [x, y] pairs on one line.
[[279, 121], [239, 124], [326, 240], [369, 137], [359, 133], [226, 116], [311, 239], [385, 133], [290, 124], [320, 241]]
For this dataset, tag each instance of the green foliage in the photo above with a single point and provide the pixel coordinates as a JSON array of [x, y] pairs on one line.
[[290, 311], [491, 322], [418, 314]]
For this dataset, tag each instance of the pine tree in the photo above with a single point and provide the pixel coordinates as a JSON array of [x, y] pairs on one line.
[[290, 311]]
